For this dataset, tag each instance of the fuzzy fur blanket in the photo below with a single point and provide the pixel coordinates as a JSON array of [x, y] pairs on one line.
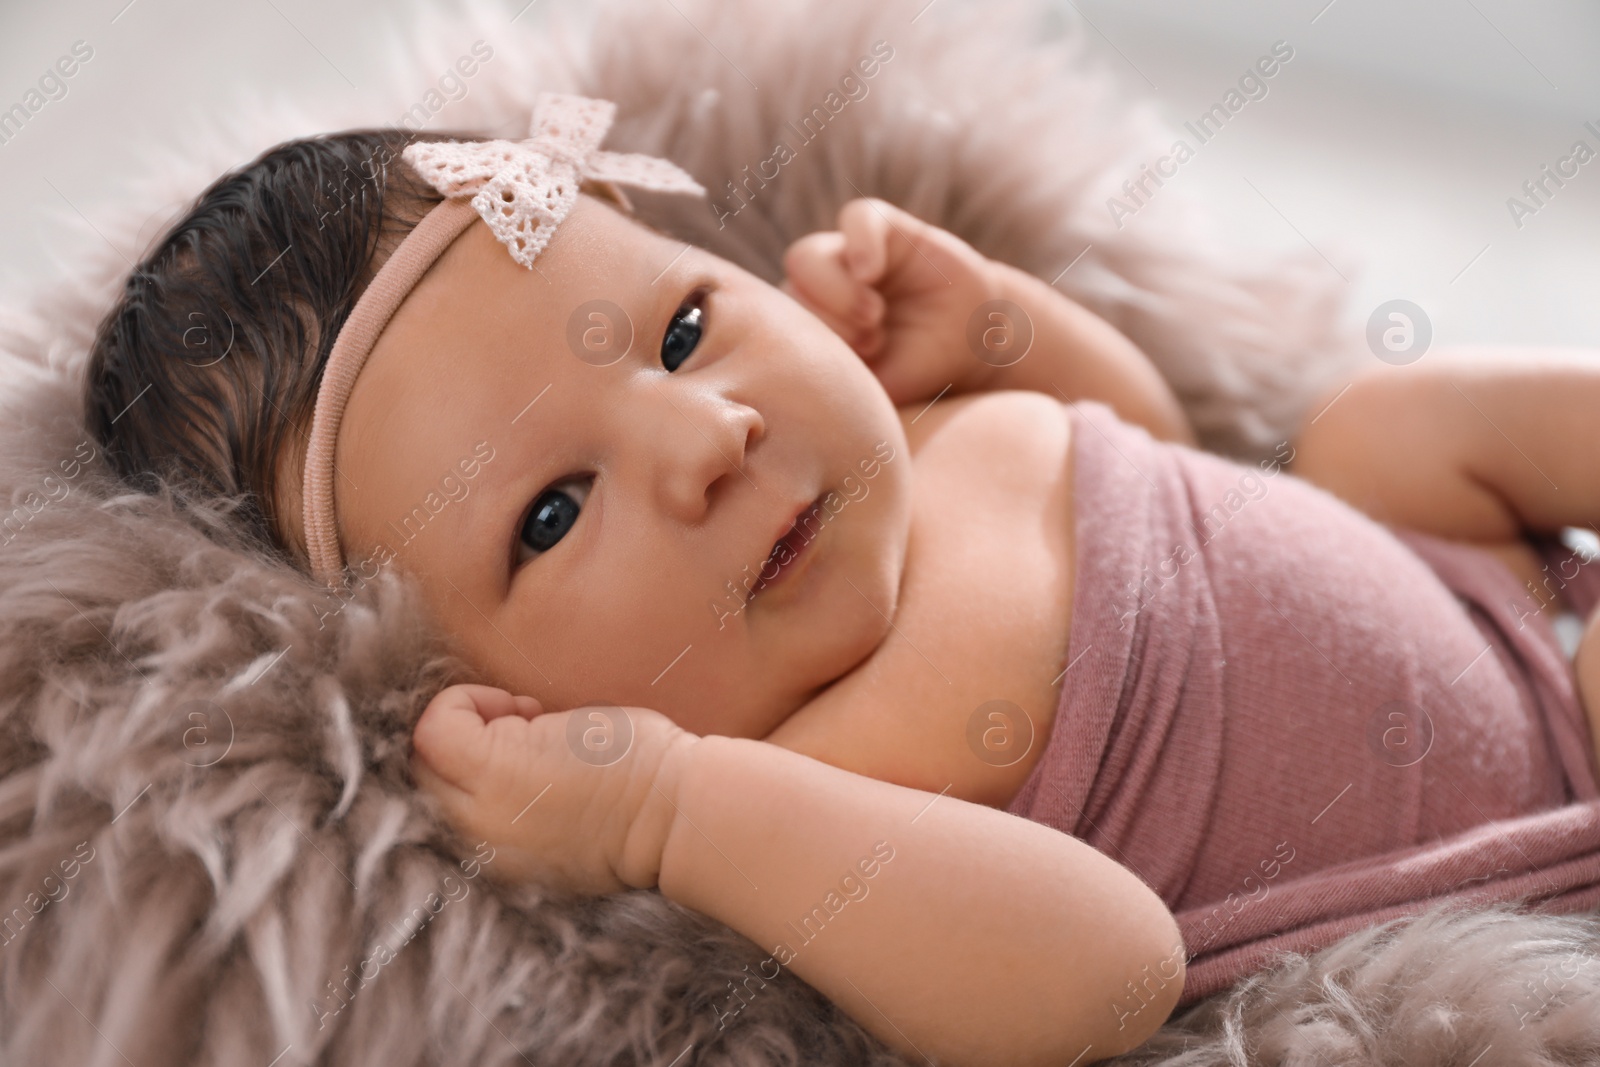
[[209, 848]]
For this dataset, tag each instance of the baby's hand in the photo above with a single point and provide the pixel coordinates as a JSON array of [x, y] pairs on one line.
[[901, 292], [564, 798]]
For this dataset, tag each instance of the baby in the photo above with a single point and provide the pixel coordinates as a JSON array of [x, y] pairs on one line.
[[734, 564]]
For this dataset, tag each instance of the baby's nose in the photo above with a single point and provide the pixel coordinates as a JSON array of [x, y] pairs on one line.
[[701, 445]]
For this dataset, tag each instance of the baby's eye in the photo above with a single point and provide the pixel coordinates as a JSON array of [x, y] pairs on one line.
[[552, 515], [683, 332]]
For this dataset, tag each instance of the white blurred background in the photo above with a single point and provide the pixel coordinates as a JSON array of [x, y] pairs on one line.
[[1396, 134]]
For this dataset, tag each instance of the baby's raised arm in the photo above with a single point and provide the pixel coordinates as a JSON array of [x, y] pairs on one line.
[[1080, 356], [933, 316], [949, 929]]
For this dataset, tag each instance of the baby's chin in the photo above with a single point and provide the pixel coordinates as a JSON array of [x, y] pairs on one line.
[[862, 614]]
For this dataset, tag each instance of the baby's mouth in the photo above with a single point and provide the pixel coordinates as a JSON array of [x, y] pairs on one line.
[[787, 550]]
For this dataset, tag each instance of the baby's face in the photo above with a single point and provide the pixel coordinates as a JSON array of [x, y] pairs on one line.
[[585, 523]]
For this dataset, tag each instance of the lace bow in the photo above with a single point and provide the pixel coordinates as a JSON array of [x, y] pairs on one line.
[[525, 188]]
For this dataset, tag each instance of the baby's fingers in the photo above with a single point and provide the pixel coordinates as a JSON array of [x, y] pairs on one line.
[[900, 254], [452, 738], [865, 227], [816, 271], [493, 702]]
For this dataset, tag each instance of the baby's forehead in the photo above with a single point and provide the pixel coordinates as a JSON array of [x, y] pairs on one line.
[[598, 249], [480, 322]]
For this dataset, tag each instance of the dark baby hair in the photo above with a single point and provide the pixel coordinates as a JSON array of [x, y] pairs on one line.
[[203, 376], [206, 368]]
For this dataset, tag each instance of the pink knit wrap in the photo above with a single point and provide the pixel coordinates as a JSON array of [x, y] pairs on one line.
[[1256, 670]]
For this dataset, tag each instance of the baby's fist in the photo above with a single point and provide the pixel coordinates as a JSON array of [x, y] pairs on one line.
[[579, 800], [900, 292]]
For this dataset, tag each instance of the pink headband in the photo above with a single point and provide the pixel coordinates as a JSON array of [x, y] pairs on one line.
[[523, 191]]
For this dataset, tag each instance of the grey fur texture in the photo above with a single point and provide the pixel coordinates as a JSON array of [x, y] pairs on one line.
[[209, 848], [1487, 987]]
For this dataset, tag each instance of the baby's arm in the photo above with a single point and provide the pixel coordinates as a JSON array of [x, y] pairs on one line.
[[948, 929], [1078, 355], [981, 938], [1494, 441], [932, 316]]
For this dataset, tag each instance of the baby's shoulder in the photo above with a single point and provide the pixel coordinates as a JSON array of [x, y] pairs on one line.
[[984, 611], [985, 421]]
